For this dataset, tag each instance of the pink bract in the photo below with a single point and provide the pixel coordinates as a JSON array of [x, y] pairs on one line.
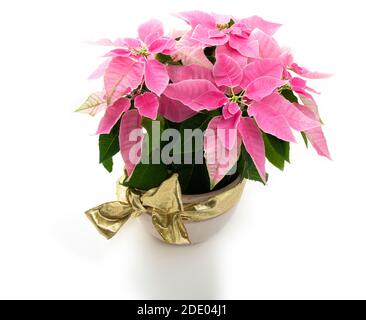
[[131, 144], [219, 159], [174, 110], [227, 72], [254, 144], [112, 115], [198, 94], [147, 105], [122, 75], [276, 115]]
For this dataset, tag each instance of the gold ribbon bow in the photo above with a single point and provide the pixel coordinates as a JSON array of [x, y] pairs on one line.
[[165, 205]]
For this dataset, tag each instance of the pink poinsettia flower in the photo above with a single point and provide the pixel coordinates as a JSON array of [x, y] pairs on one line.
[[249, 38], [231, 125], [127, 68], [267, 110], [134, 61], [274, 115], [218, 30]]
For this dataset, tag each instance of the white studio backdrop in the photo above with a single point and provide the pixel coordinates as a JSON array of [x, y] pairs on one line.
[[301, 237]]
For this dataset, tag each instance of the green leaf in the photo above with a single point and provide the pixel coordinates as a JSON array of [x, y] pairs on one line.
[[185, 172], [305, 138], [210, 54], [272, 156], [247, 168], [109, 146], [198, 122], [289, 95], [92, 104], [108, 164], [193, 178], [166, 59], [276, 148], [148, 125], [147, 176], [277, 151]]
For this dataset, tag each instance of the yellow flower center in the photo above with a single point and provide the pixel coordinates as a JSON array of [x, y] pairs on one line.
[[223, 26], [142, 51]]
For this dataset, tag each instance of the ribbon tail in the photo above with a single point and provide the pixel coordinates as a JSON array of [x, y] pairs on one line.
[[109, 218], [171, 227]]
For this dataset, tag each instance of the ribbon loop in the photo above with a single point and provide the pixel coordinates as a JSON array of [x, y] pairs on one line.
[[110, 217]]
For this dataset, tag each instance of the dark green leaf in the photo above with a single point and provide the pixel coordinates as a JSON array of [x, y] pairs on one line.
[[108, 164], [273, 157], [199, 121], [193, 178], [109, 146], [200, 180], [305, 138], [166, 59], [185, 172], [148, 124], [276, 148], [231, 23], [277, 151], [210, 54], [147, 176], [210, 51], [289, 95], [247, 167]]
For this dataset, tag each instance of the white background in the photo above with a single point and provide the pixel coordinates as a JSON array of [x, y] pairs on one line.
[[302, 236]]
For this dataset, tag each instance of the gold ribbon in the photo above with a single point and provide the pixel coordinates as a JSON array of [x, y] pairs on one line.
[[165, 204]]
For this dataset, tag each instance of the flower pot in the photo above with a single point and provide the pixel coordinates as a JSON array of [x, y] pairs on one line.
[[200, 231]]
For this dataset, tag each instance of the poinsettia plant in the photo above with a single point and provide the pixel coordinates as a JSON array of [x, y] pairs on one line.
[[225, 77]]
